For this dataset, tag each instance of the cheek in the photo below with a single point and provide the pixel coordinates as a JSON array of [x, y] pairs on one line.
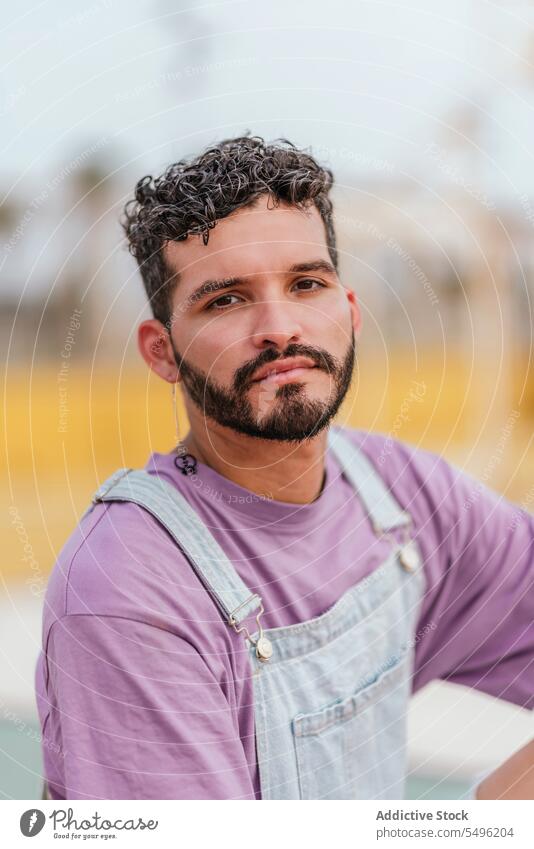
[[216, 350], [329, 330], [338, 327], [330, 317]]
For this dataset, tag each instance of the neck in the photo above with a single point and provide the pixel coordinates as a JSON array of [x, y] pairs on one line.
[[279, 470]]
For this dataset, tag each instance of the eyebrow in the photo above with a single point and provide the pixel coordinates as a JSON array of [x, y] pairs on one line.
[[210, 286]]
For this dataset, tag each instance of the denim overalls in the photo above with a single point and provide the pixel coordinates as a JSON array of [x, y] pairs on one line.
[[331, 693]]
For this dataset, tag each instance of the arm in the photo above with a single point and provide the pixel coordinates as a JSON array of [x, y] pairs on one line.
[[480, 590], [140, 714], [514, 779], [480, 601]]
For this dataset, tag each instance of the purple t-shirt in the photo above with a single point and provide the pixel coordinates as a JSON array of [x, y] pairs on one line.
[[143, 694]]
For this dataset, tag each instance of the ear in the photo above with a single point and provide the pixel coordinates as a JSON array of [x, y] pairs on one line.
[[354, 311], [154, 344]]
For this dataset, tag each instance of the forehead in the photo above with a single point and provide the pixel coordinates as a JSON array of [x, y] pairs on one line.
[[253, 240]]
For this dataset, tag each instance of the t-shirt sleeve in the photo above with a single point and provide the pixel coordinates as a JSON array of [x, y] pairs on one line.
[[477, 618], [140, 715]]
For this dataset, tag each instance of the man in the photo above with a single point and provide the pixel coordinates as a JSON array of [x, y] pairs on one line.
[[247, 617]]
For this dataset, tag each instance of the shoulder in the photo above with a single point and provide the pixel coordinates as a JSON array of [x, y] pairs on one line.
[[396, 459], [430, 487], [121, 578], [120, 561]]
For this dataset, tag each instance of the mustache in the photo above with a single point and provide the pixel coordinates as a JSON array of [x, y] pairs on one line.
[[321, 359]]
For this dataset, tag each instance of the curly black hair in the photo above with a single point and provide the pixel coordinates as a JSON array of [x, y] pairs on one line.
[[192, 195]]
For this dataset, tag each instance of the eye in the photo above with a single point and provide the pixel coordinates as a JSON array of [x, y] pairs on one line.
[[218, 305], [311, 280]]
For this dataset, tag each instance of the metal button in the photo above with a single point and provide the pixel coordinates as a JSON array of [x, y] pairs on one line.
[[409, 557], [264, 648]]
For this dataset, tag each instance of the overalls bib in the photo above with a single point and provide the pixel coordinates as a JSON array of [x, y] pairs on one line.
[[330, 693]]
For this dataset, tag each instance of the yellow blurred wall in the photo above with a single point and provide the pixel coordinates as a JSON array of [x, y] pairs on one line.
[[58, 448]]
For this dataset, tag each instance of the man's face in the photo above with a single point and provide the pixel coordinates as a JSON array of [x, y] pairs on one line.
[[270, 294]]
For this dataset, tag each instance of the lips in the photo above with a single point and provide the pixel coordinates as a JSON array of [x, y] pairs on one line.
[[281, 366]]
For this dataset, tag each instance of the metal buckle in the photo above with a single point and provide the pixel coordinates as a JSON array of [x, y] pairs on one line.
[[231, 620], [264, 648], [407, 550]]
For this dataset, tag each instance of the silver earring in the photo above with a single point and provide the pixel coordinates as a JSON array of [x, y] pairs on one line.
[[184, 461]]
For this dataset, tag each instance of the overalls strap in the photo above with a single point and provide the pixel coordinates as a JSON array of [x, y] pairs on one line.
[[384, 511], [211, 564], [171, 509]]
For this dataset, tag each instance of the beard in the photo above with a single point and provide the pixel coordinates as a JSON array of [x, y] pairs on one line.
[[285, 413]]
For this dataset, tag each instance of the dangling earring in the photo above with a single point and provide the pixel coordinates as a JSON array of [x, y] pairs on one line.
[[184, 461]]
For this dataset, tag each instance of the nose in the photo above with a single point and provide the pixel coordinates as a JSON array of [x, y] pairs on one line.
[[276, 323]]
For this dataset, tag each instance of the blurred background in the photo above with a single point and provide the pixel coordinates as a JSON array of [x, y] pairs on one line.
[[425, 113]]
